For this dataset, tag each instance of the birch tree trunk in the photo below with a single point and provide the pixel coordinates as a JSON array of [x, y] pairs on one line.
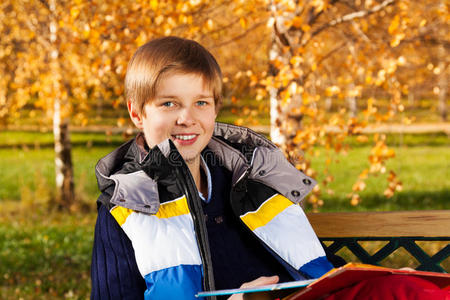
[[443, 84], [284, 123], [351, 102], [63, 153], [276, 114]]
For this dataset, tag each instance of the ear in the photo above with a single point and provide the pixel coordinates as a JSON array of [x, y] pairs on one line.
[[135, 116]]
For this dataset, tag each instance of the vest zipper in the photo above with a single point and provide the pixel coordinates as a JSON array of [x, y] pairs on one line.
[[201, 234]]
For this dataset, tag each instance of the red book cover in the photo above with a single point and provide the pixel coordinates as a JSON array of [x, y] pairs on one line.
[[353, 273]]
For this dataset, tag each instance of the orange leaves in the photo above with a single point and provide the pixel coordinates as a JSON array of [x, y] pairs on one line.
[[121, 122], [396, 30], [243, 22], [394, 185], [74, 12], [378, 155], [354, 126], [355, 199], [297, 21], [394, 24], [358, 186], [209, 24], [141, 39], [295, 61], [332, 90], [362, 138]]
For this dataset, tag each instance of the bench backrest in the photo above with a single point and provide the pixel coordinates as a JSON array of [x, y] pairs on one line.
[[399, 229]]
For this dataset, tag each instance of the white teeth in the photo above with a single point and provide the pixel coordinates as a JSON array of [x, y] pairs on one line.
[[185, 137]]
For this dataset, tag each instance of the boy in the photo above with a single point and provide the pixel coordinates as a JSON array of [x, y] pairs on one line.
[[190, 204]]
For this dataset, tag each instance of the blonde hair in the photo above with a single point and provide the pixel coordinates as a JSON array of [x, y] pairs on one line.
[[169, 55]]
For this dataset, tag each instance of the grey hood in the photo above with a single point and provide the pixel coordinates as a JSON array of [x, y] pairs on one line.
[[247, 154]]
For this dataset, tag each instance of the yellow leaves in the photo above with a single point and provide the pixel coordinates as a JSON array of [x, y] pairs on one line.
[[141, 39], [159, 19], [184, 19], [364, 174], [239, 122], [397, 30], [356, 199], [209, 24], [332, 90], [121, 122], [394, 184], [381, 152], [354, 126], [154, 4], [354, 91], [381, 77], [297, 21], [195, 2], [397, 39], [116, 103], [394, 24], [362, 139], [243, 22], [74, 12], [296, 61], [86, 31], [358, 186]]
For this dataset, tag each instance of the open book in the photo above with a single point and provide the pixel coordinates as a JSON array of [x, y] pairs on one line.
[[334, 280]]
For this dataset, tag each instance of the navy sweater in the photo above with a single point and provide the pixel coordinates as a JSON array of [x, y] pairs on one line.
[[237, 255], [114, 272]]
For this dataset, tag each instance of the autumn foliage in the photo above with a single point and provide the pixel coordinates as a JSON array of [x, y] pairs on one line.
[[324, 65]]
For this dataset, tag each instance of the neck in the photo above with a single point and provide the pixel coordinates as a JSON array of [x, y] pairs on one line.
[[194, 168], [200, 182]]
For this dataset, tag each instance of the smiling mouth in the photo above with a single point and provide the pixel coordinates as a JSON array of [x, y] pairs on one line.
[[185, 137]]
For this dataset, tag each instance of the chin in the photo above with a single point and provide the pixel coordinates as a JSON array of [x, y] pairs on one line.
[[190, 158]]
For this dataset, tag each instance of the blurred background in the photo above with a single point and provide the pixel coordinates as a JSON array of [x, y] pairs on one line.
[[354, 92]]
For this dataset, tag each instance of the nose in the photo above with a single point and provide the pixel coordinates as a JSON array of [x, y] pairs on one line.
[[186, 117]]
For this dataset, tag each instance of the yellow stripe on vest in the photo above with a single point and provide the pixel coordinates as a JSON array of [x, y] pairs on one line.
[[169, 209], [121, 214], [173, 208], [266, 212]]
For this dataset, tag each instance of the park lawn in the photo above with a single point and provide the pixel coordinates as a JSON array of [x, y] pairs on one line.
[[423, 170], [45, 255], [29, 174], [421, 163]]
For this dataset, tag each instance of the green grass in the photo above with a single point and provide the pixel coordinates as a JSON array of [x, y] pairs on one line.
[[422, 164], [30, 139], [423, 170], [45, 256], [30, 173]]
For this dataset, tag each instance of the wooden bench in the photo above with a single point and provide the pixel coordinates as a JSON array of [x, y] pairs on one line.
[[397, 229]]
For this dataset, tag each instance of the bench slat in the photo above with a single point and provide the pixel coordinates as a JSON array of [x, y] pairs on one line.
[[428, 223]]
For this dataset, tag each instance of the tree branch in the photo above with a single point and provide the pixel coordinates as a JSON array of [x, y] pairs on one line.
[[350, 17], [328, 55], [240, 36]]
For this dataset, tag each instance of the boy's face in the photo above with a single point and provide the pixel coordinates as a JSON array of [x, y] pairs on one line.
[[183, 110]]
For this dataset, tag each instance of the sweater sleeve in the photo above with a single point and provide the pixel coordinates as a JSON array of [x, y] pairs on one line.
[[114, 272]]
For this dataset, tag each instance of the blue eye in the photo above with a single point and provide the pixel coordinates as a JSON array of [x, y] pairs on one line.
[[168, 104]]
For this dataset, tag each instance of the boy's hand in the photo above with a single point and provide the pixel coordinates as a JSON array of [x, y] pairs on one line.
[[263, 280]]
